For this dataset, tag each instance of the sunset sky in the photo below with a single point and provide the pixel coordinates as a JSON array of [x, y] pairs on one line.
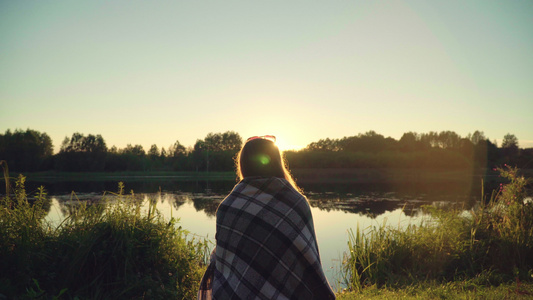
[[153, 72]]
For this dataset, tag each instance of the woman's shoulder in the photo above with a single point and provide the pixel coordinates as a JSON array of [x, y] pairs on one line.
[[271, 190], [275, 186]]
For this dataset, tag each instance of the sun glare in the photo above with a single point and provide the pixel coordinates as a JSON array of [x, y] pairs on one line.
[[284, 146]]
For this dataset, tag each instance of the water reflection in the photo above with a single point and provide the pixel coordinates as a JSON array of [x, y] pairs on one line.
[[334, 215], [370, 205]]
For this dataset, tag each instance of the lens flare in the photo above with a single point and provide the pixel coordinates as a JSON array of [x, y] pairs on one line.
[[263, 159]]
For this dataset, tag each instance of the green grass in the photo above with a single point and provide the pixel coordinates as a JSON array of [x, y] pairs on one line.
[[451, 290], [493, 241], [112, 249]]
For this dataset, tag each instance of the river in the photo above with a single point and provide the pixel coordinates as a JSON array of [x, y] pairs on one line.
[[336, 208]]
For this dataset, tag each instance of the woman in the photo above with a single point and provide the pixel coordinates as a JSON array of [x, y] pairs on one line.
[[266, 246]]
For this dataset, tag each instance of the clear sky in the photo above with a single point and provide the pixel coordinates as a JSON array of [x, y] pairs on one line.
[[153, 72]]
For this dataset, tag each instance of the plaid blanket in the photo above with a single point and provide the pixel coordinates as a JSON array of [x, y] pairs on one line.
[[266, 246]]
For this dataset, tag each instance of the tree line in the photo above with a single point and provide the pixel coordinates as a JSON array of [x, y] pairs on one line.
[[432, 150], [31, 150]]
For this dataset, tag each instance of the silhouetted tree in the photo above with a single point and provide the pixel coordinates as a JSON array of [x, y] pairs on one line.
[[324, 145], [136, 150], [216, 151], [466, 148], [178, 157], [431, 138], [31, 150], [153, 153], [449, 140], [410, 141], [476, 137], [80, 143], [227, 141], [485, 154], [177, 150], [510, 148], [82, 153], [28, 150], [368, 142], [510, 141]]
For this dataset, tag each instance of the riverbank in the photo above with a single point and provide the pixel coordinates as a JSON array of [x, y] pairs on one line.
[[111, 249], [489, 245], [115, 248], [303, 175], [130, 175], [451, 290]]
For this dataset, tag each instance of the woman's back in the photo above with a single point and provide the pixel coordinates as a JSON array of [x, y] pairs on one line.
[[266, 244]]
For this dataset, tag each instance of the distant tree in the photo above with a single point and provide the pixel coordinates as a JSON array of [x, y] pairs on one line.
[[510, 141], [227, 141], [80, 143], [367, 142], [136, 150], [153, 153], [449, 140], [231, 141], [216, 151], [432, 150], [510, 147], [466, 147], [486, 154], [28, 150], [431, 138], [177, 157], [372, 141], [177, 150], [410, 141], [324, 145], [476, 137], [82, 153]]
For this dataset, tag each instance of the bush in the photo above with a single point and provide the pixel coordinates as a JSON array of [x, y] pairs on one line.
[[494, 241], [111, 249]]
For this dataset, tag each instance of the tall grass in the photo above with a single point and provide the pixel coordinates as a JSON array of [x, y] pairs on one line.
[[112, 249], [491, 244]]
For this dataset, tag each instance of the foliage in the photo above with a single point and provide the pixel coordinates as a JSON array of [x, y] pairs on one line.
[[510, 141], [28, 150], [227, 141], [510, 147], [106, 250], [447, 150], [430, 159], [81, 143], [494, 240], [82, 152]]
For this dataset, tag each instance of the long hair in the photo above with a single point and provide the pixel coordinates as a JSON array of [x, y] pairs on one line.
[[261, 157]]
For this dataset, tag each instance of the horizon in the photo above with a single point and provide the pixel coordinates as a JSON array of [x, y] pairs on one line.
[[153, 73]]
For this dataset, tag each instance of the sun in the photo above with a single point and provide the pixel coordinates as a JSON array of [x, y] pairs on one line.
[[284, 146]]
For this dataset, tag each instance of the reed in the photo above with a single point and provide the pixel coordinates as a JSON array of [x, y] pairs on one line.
[[492, 242], [111, 249]]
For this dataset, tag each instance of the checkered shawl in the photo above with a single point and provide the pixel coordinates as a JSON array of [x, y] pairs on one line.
[[266, 246]]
